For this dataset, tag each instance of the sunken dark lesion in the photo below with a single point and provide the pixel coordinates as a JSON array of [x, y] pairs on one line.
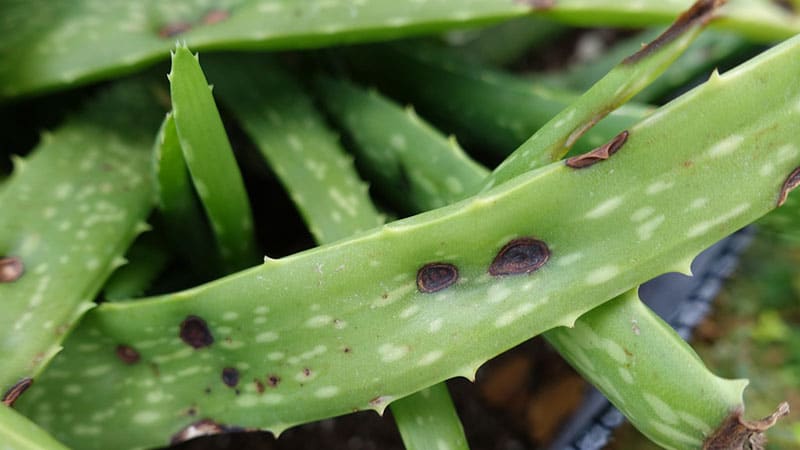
[[15, 391], [127, 354], [230, 377], [520, 256], [700, 13], [194, 332], [599, 154], [434, 277], [792, 181]]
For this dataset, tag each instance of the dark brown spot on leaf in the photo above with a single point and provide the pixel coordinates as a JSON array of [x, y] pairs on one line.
[[11, 269], [792, 181], [434, 277], [204, 427], [215, 16], [195, 332], [207, 390], [524, 255], [230, 376], [601, 153], [699, 14], [127, 354], [273, 381], [347, 349], [259, 386], [174, 29], [13, 393], [306, 371], [735, 433]]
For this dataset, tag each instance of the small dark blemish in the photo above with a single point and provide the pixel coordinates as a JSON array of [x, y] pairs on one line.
[[192, 411], [237, 391], [207, 390], [195, 332], [230, 376], [792, 181], [259, 386], [347, 349], [601, 153], [307, 371], [127, 354], [385, 295], [786, 5], [215, 16], [204, 427], [523, 255], [273, 381], [434, 277], [13, 393], [699, 13], [174, 29], [11, 269], [377, 400]]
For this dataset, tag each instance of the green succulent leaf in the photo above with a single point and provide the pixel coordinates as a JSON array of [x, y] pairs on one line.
[[69, 212], [146, 260], [211, 162], [56, 45], [293, 138], [428, 418], [385, 305], [19, 433]]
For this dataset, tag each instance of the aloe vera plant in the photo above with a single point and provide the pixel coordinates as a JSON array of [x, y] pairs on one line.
[[547, 246]]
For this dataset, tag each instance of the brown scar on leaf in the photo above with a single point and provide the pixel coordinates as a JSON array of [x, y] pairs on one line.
[[11, 269], [538, 5], [174, 29], [792, 181], [204, 427], [700, 13], [194, 332], [230, 376], [735, 433], [13, 393], [215, 16], [127, 354], [601, 153]]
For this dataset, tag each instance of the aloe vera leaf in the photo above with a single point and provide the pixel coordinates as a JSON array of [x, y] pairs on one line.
[[69, 211], [298, 146], [19, 433], [616, 325], [146, 260], [677, 402], [211, 163], [411, 156], [303, 153], [504, 43], [486, 108], [53, 46], [703, 55], [367, 334], [554, 139], [431, 410], [182, 217]]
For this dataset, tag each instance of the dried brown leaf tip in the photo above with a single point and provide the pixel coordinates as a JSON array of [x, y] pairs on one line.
[[11, 269], [601, 153], [524, 255], [735, 433], [792, 181], [434, 277], [195, 332], [699, 14], [13, 393]]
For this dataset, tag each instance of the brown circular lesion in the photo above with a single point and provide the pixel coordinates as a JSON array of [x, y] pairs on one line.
[[127, 354], [519, 256], [434, 277], [194, 332]]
